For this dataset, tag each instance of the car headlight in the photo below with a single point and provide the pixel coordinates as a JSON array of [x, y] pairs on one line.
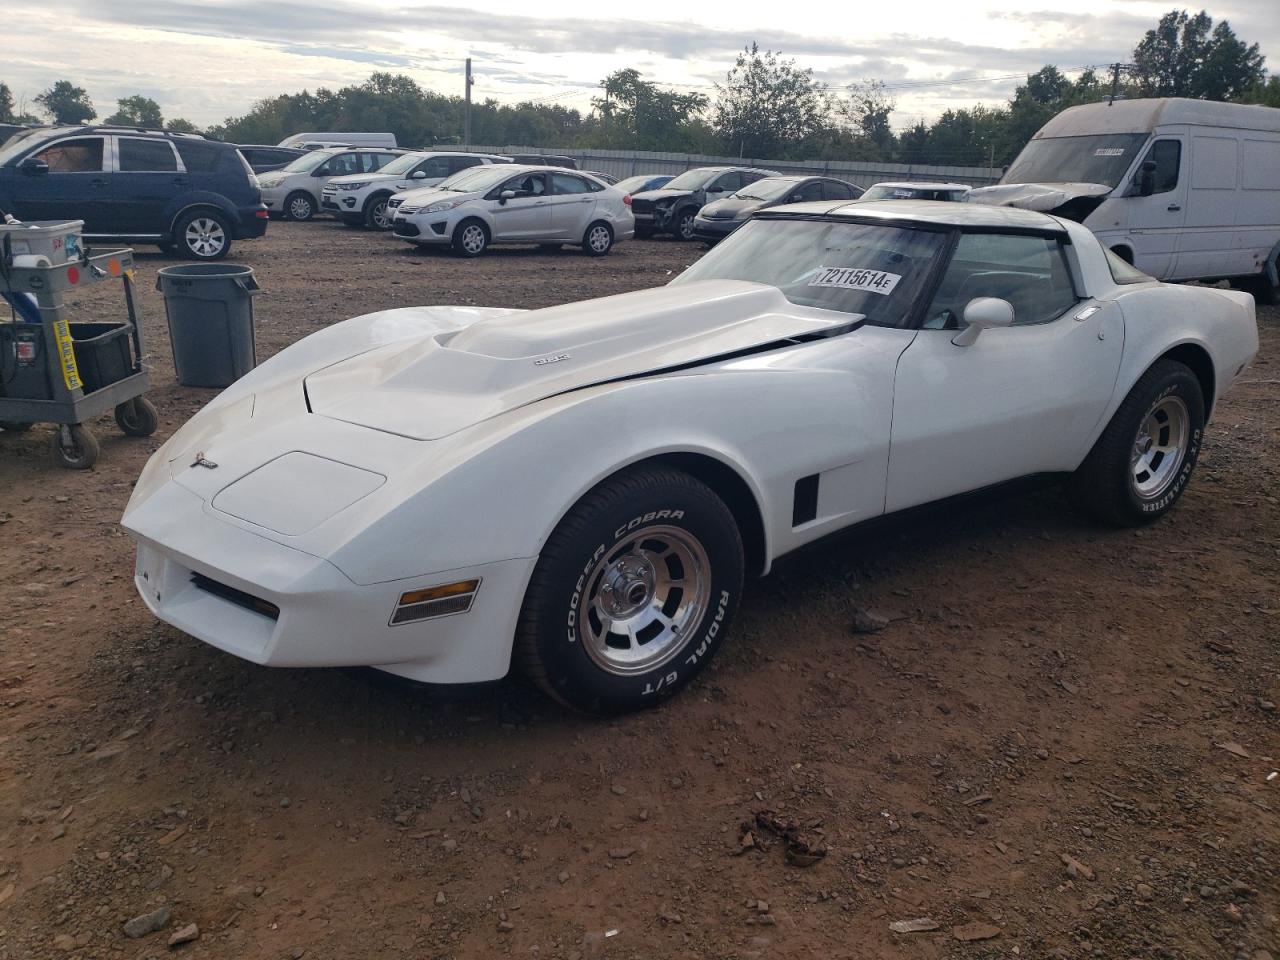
[[442, 206], [359, 185]]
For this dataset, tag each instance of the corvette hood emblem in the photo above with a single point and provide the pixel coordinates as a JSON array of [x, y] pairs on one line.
[[202, 461]]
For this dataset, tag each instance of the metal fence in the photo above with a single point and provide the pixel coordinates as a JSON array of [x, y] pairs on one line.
[[627, 163]]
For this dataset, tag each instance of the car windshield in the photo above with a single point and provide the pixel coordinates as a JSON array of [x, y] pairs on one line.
[[770, 188], [308, 162], [693, 179], [402, 164], [17, 143], [477, 179], [870, 269], [1101, 158]]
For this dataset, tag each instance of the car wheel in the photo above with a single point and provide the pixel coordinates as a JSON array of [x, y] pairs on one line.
[[203, 235], [1263, 290], [137, 417], [598, 240], [632, 594], [470, 238], [684, 224], [1141, 464], [74, 447], [299, 206], [377, 215]]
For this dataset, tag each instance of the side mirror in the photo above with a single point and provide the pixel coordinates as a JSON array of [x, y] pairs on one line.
[[419, 175], [506, 195], [981, 313], [33, 167], [321, 171]]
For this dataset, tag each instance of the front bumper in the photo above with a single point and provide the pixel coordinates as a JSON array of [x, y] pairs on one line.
[[705, 229], [214, 579], [424, 229], [343, 203]]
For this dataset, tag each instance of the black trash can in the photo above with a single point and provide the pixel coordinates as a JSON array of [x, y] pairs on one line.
[[210, 312]]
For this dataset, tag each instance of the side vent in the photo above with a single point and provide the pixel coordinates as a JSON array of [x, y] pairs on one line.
[[805, 506]]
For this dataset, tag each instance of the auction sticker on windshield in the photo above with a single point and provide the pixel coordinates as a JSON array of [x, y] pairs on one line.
[[854, 278]]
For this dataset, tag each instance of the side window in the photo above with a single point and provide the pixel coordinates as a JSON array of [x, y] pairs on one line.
[[564, 183], [807, 191], [461, 163], [1167, 157], [81, 155], [145, 156], [835, 190], [1029, 271], [341, 165], [202, 157], [371, 162], [435, 168], [727, 182], [526, 185]]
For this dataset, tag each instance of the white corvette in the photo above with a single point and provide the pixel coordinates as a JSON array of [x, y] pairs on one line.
[[439, 491]]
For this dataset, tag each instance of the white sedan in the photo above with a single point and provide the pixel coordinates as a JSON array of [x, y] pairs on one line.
[[550, 206], [441, 492], [361, 198]]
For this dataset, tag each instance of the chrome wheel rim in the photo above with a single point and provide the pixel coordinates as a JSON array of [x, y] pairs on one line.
[[686, 226], [300, 208], [598, 239], [379, 215], [644, 599], [1160, 447], [205, 237], [473, 239]]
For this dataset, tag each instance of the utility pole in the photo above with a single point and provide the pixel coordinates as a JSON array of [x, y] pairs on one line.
[[466, 117], [1116, 70]]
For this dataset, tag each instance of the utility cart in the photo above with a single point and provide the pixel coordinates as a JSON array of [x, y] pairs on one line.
[[55, 371]]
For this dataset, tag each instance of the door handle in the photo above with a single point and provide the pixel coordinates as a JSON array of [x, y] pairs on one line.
[[1173, 207]]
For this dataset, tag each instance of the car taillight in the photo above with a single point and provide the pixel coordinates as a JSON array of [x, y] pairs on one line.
[[260, 214], [626, 198]]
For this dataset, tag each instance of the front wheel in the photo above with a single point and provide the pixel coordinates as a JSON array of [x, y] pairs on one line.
[[300, 206], [203, 235], [1140, 466], [377, 215], [471, 238], [632, 594], [598, 240], [684, 224]]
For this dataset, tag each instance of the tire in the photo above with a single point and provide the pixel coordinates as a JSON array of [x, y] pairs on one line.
[[74, 447], [299, 206], [1263, 290], [470, 238], [598, 239], [137, 417], [683, 226], [595, 554], [203, 235], [14, 426], [376, 214], [1140, 466]]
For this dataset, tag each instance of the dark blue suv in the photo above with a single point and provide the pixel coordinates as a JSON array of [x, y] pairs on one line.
[[181, 192]]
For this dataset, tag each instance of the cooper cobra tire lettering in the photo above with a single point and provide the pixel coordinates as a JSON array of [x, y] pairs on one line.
[[647, 518]]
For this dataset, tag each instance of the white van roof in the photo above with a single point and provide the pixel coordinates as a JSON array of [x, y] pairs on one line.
[[1143, 116]]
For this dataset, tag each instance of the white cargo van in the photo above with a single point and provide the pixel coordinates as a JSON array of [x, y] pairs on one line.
[[1182, 189], [334, 138]]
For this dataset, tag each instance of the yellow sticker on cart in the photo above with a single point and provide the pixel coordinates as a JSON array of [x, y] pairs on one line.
[[67, 355]]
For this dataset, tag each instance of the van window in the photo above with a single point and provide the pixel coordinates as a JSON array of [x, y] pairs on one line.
[[1167, 155], [82, 155], [146, 156]]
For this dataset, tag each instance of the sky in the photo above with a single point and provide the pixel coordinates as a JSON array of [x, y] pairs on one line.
[[207, 60]]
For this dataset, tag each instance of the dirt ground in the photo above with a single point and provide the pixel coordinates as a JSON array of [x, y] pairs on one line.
[[1059, 747]]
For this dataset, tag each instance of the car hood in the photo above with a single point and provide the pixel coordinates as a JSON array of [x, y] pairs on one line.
[[731, 208], [364, 178], [663, 194], [1044, 197], [444, 381]]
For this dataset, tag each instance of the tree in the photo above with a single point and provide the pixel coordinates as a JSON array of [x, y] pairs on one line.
[[867, 110], [635, 113], [1186, 56], [136, 111], [66, 103], [769, 107], [178, 125]]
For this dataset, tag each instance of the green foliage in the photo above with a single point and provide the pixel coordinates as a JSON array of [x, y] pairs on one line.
[[136, 111], [768, 107], [179, 125], [64, 102], [635, 114], [1187, 56]]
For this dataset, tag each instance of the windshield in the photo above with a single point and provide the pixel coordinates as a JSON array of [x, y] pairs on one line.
[[870, 269], [17, 143], [692, 179], [402, 164], [770, 188], [307, 163], [477, 179], [1102, 158]]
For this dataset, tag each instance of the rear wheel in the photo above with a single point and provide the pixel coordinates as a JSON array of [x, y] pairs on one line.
[[299, 206], [203, 235], [377, 215], [632, 594], [470, 238], [1140, 466], [1263, 290], [598, 240]]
